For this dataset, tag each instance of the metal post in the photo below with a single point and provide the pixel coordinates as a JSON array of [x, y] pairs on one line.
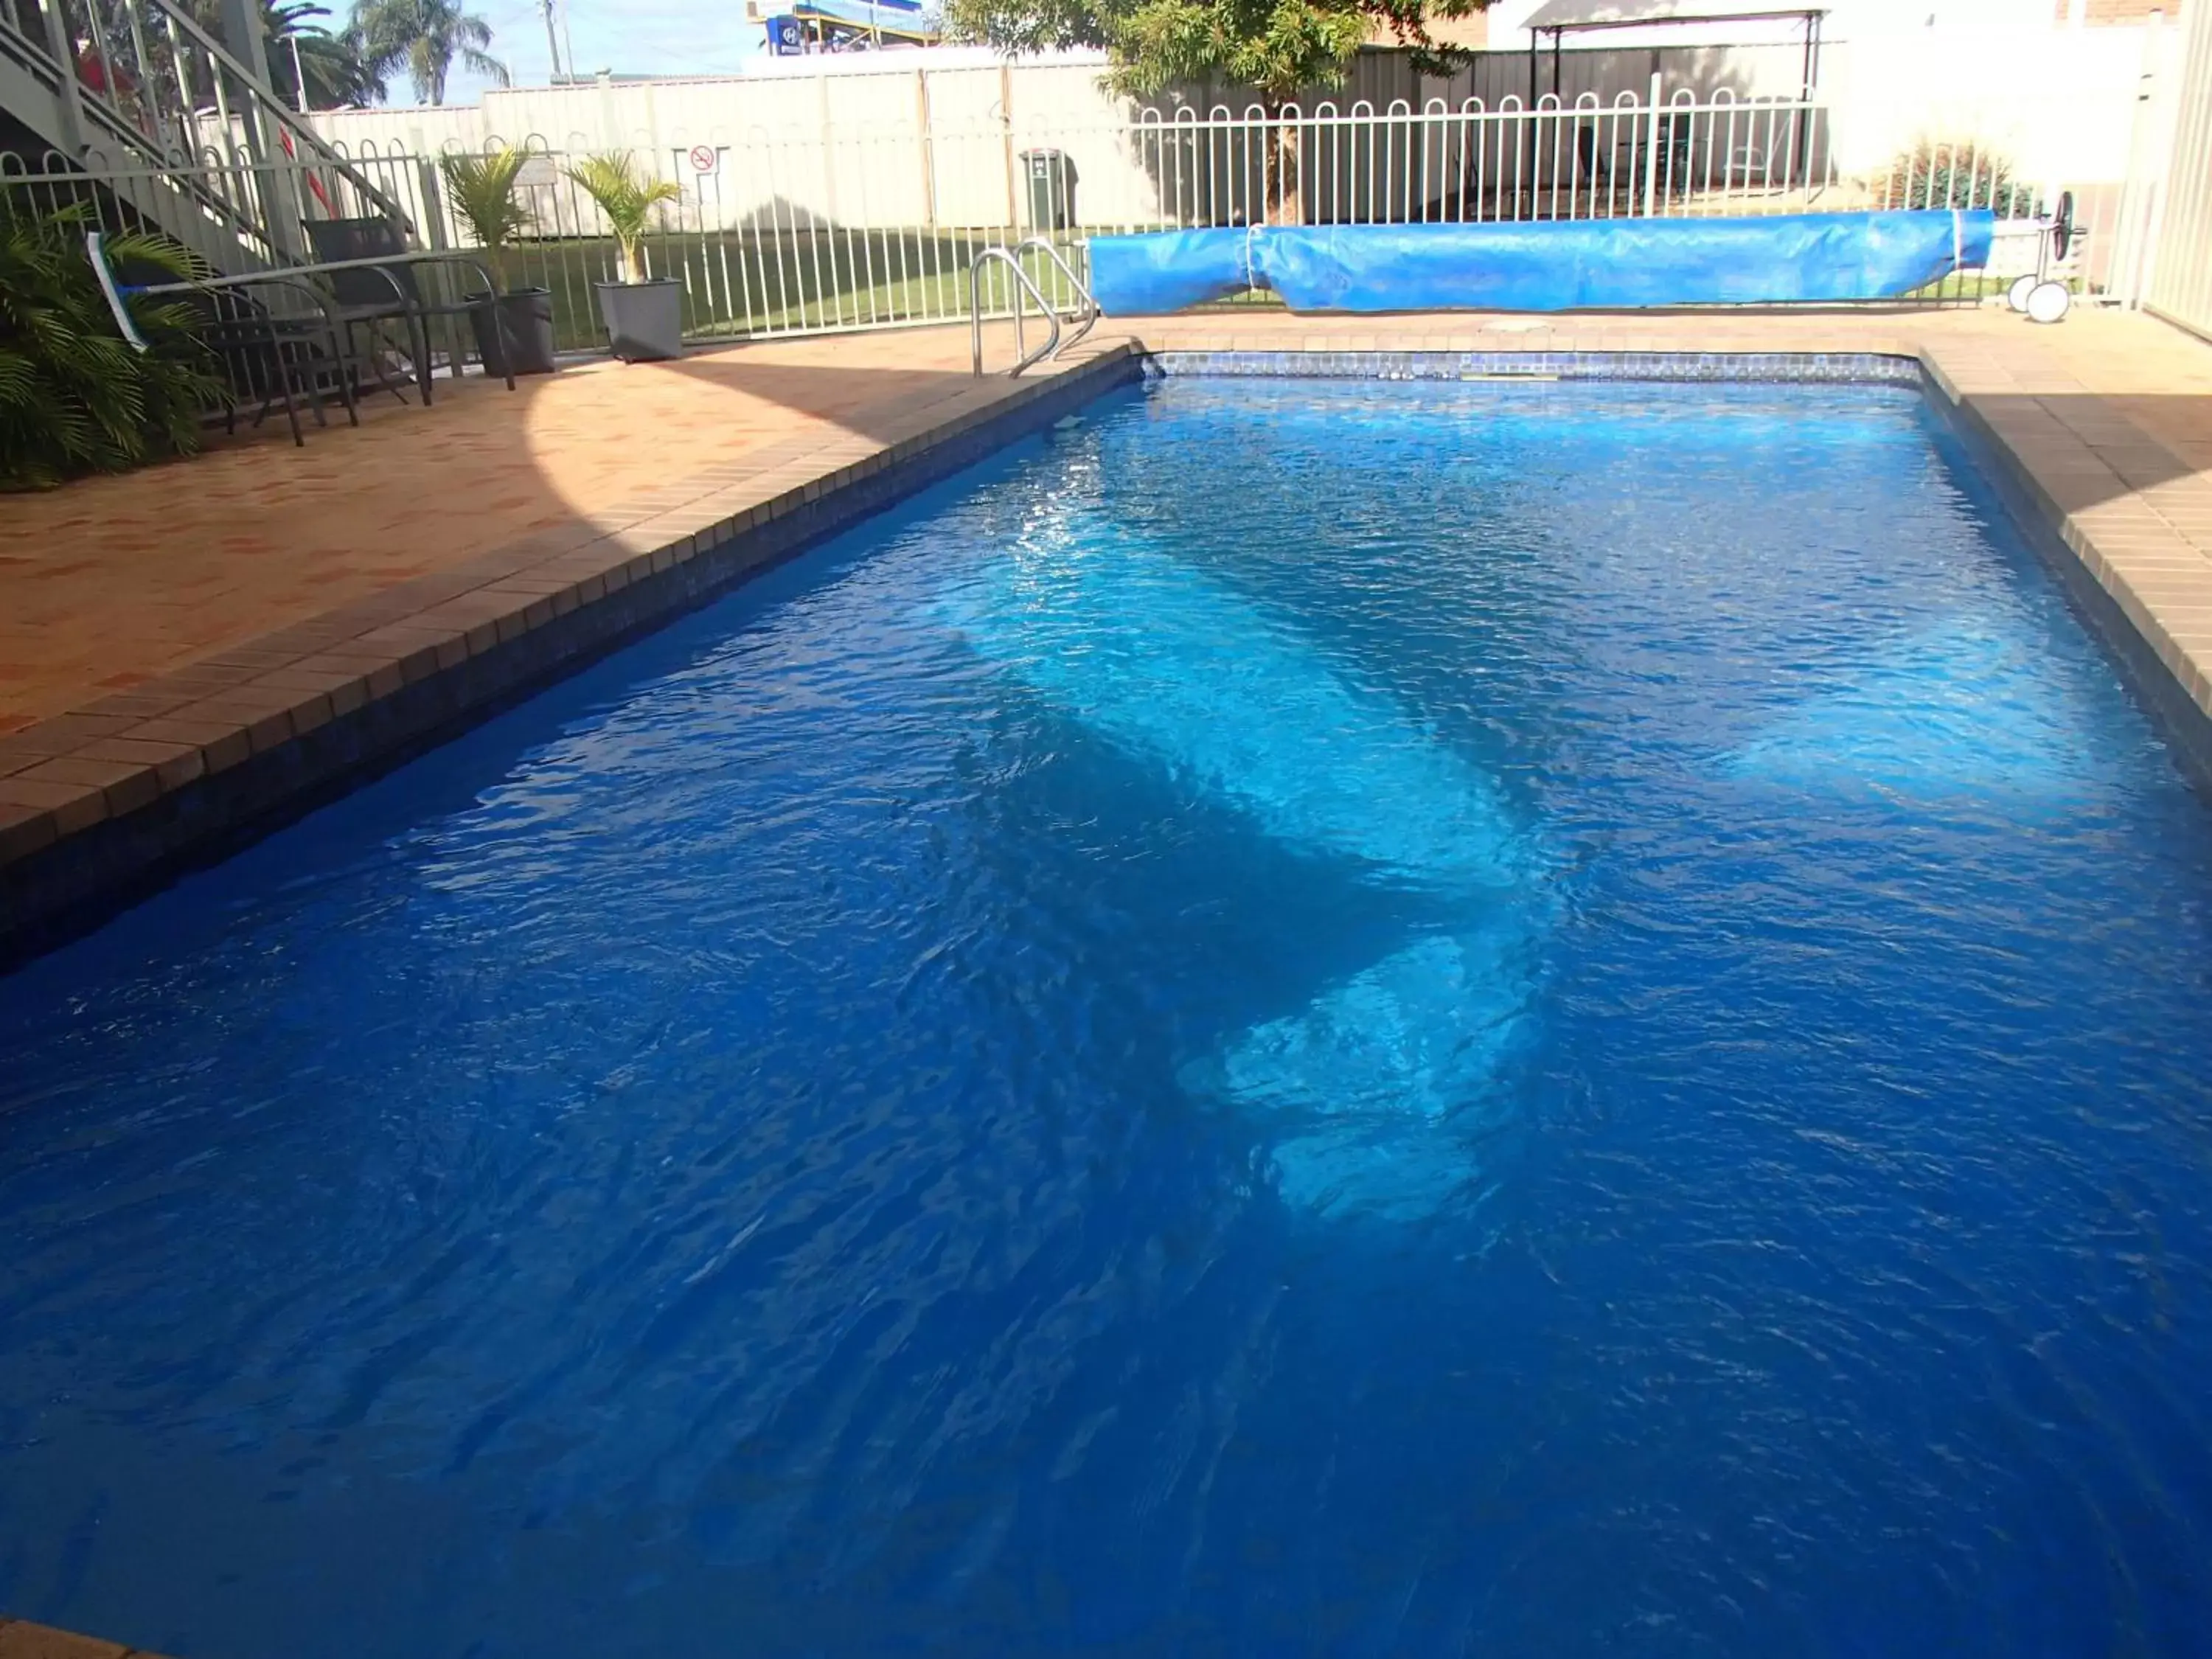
[[1651, 147], [1806, 78], [188, 131], [148, 79], [828, 150], [434, 205], [1006, 143], [239, 28], [72, 99], [928, 148]]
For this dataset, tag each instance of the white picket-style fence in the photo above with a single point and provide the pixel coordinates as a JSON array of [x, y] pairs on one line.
[[824, 229]]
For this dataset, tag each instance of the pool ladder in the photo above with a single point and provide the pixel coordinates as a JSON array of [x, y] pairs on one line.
[[1026, 286]]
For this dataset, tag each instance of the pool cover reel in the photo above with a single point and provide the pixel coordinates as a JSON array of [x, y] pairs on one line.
[[1603, 265]]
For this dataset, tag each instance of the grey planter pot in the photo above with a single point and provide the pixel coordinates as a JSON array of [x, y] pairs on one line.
[[644, 320], [524, 337]]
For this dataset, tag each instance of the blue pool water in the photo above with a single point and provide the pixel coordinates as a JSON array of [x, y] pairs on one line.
[[1302, 1017]]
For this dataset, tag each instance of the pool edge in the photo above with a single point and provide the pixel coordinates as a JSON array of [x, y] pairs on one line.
[[454, 662], [1857, 367], [459, 657], [2151, 661], [2156, 666]]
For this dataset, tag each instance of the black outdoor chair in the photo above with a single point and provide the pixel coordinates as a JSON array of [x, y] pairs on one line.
[[370, 294], [1596, 162], [274, 354]]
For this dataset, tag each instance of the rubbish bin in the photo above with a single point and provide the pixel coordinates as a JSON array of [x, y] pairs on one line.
[[1052, 188]]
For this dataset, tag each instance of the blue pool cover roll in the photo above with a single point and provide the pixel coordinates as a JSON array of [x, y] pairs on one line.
[[1600, 265]]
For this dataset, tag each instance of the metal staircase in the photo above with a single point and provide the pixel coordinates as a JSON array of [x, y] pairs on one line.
[[182, 130]]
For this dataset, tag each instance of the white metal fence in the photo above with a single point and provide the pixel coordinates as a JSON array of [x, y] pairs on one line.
[[2180, 282], [824, 230]]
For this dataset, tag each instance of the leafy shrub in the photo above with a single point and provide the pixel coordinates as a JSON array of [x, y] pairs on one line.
[[482, 189], [75, 397], [1948, 173], [627, 197]]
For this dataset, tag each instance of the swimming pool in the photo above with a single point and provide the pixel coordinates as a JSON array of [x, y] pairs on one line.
[[1300, 1017]]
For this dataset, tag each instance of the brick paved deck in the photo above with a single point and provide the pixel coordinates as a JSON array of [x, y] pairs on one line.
[[19, 1640], [282, 614], [112, 582]]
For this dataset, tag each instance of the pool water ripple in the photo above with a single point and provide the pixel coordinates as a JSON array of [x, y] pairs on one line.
[[1301, 1017]]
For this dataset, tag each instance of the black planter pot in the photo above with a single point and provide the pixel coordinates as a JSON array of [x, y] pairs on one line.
[[644, 320], [516, 335]]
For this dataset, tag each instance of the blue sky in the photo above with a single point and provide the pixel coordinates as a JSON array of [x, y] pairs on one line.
[[630, 37]]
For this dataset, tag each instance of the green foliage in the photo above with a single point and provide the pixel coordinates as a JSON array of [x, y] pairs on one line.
[[482, 191], [329, 64], [424, 38], [1943, 173], [1276, 47], [627, 198], [75, 397]]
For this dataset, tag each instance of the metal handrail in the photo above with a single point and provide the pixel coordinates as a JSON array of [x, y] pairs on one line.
[[1026, 359], [1066, 271], [266, 103], [53, 63]]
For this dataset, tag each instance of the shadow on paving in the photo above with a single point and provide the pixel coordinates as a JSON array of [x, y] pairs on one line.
[[109, 582], [2133, 443], [872, 402]]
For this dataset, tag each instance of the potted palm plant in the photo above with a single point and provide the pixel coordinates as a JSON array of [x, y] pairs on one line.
[[517, 331], [644, 317]]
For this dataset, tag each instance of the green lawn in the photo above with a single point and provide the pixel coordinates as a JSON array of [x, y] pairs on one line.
[[744, 282]]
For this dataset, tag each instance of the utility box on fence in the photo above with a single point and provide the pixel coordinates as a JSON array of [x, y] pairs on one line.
[[1052, 188]]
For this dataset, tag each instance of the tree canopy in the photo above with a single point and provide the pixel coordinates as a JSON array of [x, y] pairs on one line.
[[424, 38], [329, 65], [1276, 47]]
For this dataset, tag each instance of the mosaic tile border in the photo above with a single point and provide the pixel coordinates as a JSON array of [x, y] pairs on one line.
[[1785, 368]]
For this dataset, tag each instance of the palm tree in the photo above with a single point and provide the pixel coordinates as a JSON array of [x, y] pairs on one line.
[[424, 38], [75, 397], [321, 70]]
